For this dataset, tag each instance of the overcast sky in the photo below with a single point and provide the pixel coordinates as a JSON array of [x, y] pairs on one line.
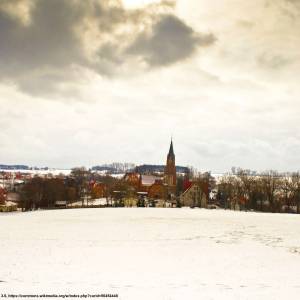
[[97, 81]]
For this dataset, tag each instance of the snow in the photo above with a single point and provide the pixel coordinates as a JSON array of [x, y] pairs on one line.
[[151, 253], [10, 203], [91, 202], [119, 176], [54, 172]]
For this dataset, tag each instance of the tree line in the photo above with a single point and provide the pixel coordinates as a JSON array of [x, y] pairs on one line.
[[41, 192], [268, 191]]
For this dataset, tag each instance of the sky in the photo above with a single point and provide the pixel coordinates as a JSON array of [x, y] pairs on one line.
[[84, 83]]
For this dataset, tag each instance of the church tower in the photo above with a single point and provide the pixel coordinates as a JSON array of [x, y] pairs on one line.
[[170, 170]]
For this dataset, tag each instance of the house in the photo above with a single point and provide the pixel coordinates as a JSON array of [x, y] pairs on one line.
[[3, 196], [61, 203], [13, 197], [158, 190], [5, 205], [194, 196], [99, 190], [130, 202]]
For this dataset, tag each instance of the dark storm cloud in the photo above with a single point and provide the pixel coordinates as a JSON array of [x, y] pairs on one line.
[[40, 53], [37, 55], [171, 40], [47, 40]]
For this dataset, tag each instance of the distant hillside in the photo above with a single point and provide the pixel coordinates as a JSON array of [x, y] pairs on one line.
[[14, 167], [114, 168], [118, 168], [158, 169]]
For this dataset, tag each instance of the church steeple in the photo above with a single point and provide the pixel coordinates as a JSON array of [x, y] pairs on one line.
[[170, 170], [171, 150]]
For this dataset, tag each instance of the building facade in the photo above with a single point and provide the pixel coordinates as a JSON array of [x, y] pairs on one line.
[[194, 196]]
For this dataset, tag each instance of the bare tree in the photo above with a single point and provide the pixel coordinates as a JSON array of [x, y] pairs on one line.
[[226, 191], [270, 184], [81, 176], [295, 190]]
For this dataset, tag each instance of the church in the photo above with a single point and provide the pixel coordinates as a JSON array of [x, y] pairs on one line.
[[156, 186]]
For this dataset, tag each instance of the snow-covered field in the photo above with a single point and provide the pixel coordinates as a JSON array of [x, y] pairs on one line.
[[151, 253], [54, 172]]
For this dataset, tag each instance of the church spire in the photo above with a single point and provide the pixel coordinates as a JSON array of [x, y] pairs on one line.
[[171, 150]]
